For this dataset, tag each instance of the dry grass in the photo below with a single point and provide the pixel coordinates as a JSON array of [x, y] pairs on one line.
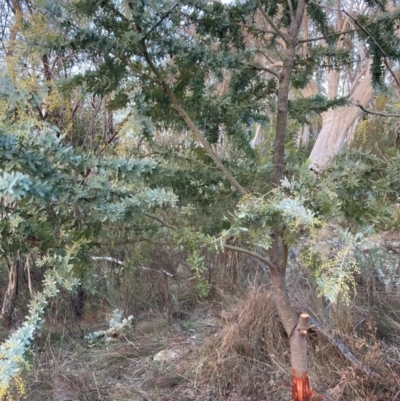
[[231, 348], [235, 353], [248, 358]]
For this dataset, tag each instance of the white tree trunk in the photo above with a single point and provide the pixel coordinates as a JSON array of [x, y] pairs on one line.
[[338, 124], [303, 136]]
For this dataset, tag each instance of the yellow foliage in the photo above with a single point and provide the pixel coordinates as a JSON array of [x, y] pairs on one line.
[[14, 390], [363, 131], [381, 102]]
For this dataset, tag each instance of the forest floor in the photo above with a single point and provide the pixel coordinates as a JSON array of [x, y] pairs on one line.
[[232, 348]]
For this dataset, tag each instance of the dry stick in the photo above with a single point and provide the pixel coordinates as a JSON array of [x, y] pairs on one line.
[[121, 263], [176, 105], [28, 272], [395, 397], [385, 61]]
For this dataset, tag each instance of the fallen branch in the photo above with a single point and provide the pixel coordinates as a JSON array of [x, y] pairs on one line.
[[338, 343], [108, 259]]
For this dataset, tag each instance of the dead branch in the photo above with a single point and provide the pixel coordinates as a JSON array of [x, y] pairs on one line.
[[342, 347]]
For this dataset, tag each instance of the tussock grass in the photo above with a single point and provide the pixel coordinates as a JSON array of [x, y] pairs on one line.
[[249, 359]]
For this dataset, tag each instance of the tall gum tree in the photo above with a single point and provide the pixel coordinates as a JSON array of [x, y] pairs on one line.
[[339, 124]]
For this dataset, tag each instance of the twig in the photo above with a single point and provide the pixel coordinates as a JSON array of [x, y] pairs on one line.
[[257, 67], [151, 216], [120, 262], [271, 22], [385, 61], [327, 36], [28, 272], [130, 342], [376, 113], [397, 394], [253, 254], [97, 387], [161, 20]]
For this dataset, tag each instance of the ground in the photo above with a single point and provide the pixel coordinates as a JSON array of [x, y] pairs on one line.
[[224, 349]]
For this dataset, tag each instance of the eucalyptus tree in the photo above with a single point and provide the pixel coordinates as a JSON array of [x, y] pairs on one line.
[[369, 32]]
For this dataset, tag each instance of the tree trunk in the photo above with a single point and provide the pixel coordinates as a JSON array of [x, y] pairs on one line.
[[338, 124], [14, 29], [290, 39], [295, 328], [301, 388], [286, 312], [78, 302], [10, 295], [282, 115], [304, 134]]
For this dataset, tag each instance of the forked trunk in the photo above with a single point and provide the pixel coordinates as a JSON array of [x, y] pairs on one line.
[[10, 295]]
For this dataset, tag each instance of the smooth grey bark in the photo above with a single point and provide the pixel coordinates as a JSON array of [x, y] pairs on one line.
[[338, 124]]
